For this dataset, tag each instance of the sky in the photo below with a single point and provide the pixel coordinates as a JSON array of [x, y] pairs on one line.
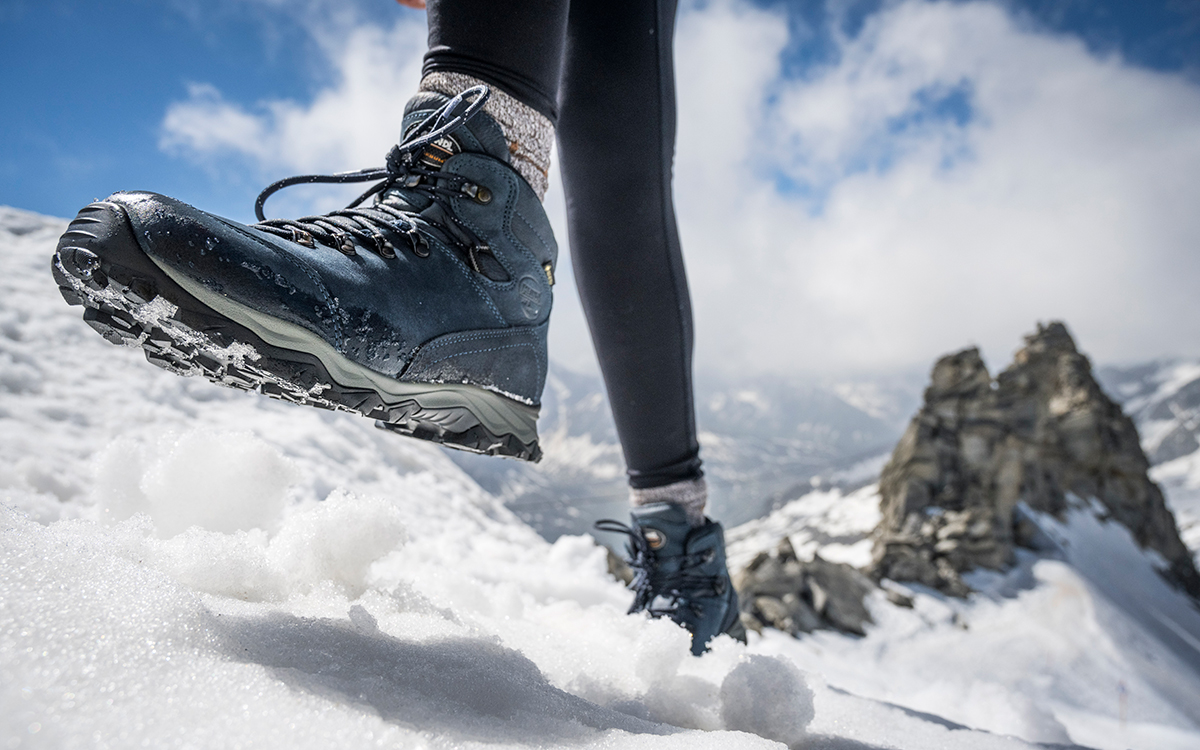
[[861, 186]]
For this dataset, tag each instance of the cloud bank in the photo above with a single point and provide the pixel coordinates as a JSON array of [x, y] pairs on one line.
[[949, 177]]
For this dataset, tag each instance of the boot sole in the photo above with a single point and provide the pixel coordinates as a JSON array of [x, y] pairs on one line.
[[189, 330]]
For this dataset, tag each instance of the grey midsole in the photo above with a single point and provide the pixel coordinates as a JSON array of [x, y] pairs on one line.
[[500, 415]]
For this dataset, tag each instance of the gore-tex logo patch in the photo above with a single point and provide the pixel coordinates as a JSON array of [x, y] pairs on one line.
[[531, 297]]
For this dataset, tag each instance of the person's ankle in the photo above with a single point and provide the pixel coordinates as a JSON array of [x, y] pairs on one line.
[[689, 494], [528, 132]]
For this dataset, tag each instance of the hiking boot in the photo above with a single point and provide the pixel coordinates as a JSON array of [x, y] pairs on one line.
[[425, 309], [680, 573]]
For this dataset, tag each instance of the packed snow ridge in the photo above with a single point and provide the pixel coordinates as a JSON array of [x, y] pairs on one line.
[[190, 566]]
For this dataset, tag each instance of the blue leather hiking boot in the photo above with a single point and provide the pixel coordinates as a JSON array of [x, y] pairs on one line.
[[425, 309], [680, 572]]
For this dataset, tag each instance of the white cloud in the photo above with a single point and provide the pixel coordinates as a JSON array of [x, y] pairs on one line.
[[899, 234], [206, 123], [348, 125], [1069, 194]]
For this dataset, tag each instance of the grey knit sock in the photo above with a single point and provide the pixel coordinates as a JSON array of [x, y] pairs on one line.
[[690, 494], [528, 132]]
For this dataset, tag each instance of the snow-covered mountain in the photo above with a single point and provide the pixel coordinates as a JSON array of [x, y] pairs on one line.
[[186, 565], [1064, 639], [1164, 400], [1059, 650]]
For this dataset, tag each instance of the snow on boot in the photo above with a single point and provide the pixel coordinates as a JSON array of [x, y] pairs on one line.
[[680, 572], [425, 309]]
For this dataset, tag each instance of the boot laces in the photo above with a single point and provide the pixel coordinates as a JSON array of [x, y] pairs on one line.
[[678, 587], [375, 226]]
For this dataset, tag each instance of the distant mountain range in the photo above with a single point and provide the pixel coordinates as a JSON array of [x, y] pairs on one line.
[[1163, 398], [765, 440]]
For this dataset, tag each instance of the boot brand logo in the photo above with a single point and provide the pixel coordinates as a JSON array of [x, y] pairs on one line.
[[436, 153], [531, 297], [655, 538]]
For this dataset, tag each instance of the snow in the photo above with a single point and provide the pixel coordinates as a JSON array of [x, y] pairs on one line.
[[1153, 399], [1180, 481], [830, 522], [862, 472], [191, 566], [1158, 399], [1168, 380], [1042, 654]]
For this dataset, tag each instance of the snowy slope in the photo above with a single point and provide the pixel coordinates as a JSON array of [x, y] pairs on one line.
[[1083, 645], [185, 565]]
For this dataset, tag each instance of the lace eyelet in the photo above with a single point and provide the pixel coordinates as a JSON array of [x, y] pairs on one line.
[[478, 193], [382, 246], [418, 243], [301, 237]]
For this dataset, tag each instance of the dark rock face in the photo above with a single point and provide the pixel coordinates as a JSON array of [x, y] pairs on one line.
[[978, 447], [780, 591]]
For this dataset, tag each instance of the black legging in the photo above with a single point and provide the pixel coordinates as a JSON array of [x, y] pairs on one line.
[[602, 71]]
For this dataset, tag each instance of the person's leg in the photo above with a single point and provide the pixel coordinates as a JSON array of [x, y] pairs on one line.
[[616, 137], [517, 50], [515, 46], [617, 140]]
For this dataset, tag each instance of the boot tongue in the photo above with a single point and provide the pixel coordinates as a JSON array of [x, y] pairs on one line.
[[480, 135]]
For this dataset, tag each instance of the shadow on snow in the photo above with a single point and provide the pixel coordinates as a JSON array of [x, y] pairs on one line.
[[474, 688]]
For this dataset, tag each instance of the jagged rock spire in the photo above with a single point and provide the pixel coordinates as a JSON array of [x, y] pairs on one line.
[[978, 447]]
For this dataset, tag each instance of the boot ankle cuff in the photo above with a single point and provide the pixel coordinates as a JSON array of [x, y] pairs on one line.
[[528, 132], [690, 494]]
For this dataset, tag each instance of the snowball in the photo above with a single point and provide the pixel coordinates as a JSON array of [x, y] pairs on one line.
[[767, 696]]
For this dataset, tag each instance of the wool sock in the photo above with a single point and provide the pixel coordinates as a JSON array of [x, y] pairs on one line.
[[528, 132], [690, 494]]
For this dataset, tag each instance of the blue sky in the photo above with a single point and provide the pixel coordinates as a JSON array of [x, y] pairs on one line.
[[88, 84], [879, 146]]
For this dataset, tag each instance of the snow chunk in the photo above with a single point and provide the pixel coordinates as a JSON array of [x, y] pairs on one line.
[[338, 541], [217, 480], [768, 697]]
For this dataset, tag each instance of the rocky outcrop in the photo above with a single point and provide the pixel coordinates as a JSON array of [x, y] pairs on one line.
[[781, 591], [1042, 429]]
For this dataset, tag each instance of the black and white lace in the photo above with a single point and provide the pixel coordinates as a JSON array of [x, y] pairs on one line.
[[413, 164]]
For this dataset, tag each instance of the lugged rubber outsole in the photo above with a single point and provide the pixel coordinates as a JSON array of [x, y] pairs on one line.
[[131, 301]]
